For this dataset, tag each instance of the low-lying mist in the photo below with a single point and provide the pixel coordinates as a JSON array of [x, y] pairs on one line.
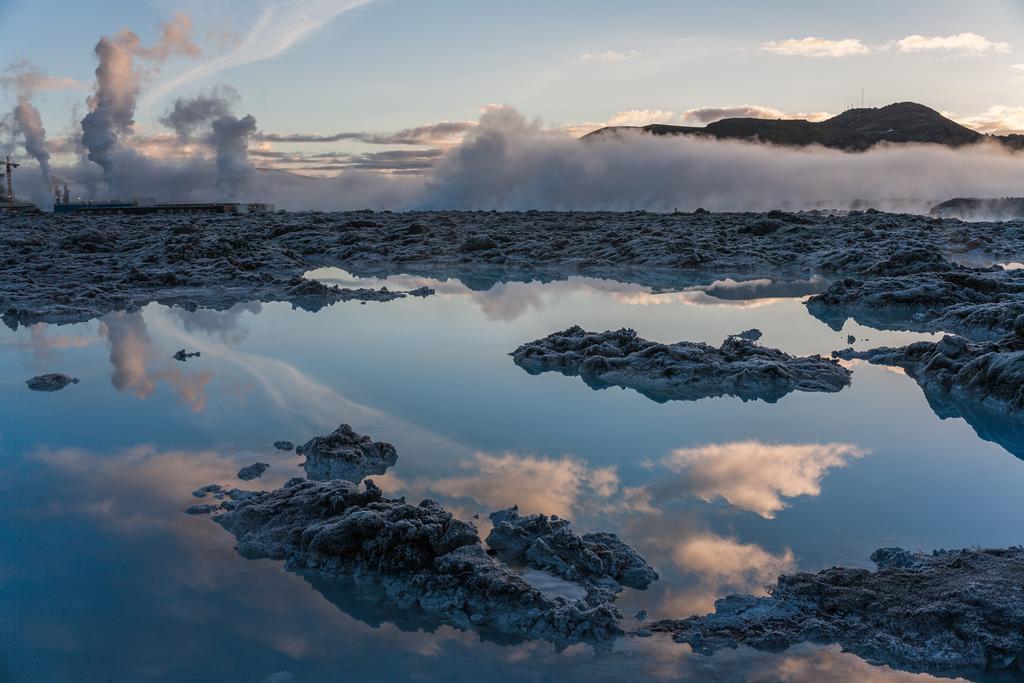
[[510, 163]]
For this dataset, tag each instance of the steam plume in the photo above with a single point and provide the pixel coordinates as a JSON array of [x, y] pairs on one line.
[[26, 80], [227, 134], [118, 82]]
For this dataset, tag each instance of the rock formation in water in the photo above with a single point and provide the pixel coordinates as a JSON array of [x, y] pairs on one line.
[[53, 381], [983, 382], [546, 543], [284, 445], [253, 471], [423, 557], [948, 612], [921, 290], [680, 371], [344, 454]]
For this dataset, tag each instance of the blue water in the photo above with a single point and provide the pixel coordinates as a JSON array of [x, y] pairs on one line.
[[103, 578]]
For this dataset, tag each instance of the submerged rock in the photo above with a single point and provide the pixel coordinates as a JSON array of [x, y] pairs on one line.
[[184, 355], [680, 371], [951, 611], [344, 454], [546, 543], [424, 558], [284, 445], [253, 471], [201, 509], [983, 382], [53, 381]]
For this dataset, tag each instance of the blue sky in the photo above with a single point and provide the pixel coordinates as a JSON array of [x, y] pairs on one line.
[[390, 64]]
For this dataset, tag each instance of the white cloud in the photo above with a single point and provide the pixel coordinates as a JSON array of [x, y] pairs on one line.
[[960, 43], [964, 43], [996, 120], [756, 476], [816, 47], [641, 117], [610, 56], [498, 481], [705, 115], [279, 26], [726, 560]]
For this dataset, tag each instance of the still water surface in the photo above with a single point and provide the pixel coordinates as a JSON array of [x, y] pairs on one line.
[[103, 578]]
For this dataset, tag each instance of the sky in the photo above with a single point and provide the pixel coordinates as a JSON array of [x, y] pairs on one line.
[[323, 67]]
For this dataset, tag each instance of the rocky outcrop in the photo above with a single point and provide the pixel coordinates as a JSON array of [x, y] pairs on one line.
[[344, 454], [124, 262], [680, 371], [921, 290], [983, 382], [53, 381], [546, 543], [421, 555], [956, 611]]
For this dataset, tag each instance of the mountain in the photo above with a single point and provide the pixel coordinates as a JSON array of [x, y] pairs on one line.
[[854, 130]]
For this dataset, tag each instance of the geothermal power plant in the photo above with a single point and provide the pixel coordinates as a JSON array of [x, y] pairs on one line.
[[63, 205]]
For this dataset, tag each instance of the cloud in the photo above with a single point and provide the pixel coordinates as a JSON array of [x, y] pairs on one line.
[[727, 561], [118, 84], [753, 475], [719, 564], [535, 484], [705, 115], [832, 664], [508, 162], [42, 344], [611, 56], [961, 43], [132, 355], [435, 133], [641, 117], [279, 26], [816, 47], [694, 117], [964, 43], [996, 120]]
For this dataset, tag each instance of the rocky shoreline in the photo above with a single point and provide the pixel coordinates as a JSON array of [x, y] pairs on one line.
[[67, 268]]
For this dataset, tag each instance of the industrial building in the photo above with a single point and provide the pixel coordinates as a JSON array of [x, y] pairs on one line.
[[62, 203], [137, 208]]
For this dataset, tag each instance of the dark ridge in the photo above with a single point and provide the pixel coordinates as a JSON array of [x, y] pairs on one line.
[[854, 130]]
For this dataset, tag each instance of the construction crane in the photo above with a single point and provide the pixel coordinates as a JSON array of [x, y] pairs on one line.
[[8, 166]]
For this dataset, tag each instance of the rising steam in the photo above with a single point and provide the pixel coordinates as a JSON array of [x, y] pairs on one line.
[[25, 79], [225, 133], [118, 82]]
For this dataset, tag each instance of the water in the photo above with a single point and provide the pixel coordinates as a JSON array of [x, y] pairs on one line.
[[102, 578]]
